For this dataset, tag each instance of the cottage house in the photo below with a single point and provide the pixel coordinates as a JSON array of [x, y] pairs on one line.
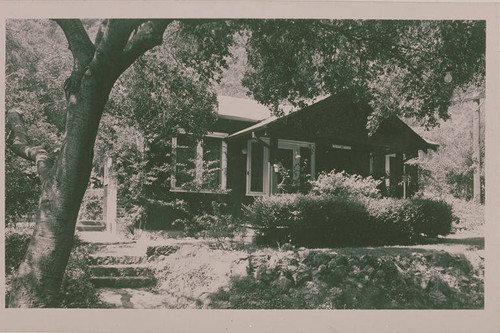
[[250, 153]]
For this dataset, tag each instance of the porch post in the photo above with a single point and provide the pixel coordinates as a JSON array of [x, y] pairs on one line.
[[273, 179]]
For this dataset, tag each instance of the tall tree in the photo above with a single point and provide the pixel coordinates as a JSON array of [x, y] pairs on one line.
[[64, 174], [396, 66]]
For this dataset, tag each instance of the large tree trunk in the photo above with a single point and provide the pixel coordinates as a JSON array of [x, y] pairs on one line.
[[65, 175], [63, 186]]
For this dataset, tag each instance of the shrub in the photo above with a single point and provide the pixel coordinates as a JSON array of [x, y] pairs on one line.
[[217, 223], [16, 245], [406, 219], [312, 220], [343, 184], [92, 205], [435, 217], [319, 279], [211, 226], [393, 219]]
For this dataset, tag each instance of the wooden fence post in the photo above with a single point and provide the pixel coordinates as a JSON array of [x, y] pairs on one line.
[[476, 151], [110, 196]]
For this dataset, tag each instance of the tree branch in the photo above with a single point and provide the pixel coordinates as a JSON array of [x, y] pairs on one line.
[[111, 39], [82, 49], [20, 144], [148, 35]]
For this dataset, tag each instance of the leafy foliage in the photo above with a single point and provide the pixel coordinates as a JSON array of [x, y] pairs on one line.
[[22, 188], [92, 205], [326, 221], [77, 289], [36, 63], [308, 279], [16, 245], [450, 170], [310, 220], [397, 66], [343, 184]]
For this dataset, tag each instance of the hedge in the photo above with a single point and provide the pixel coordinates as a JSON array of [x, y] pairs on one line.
[[327, 220]]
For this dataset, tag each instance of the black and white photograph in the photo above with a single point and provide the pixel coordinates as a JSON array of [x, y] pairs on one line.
[[246, 163]]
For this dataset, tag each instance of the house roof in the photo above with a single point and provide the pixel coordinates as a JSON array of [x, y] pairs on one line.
[[266, 122], [241, 109]]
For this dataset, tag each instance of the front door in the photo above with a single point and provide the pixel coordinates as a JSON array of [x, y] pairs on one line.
[[294, 161]]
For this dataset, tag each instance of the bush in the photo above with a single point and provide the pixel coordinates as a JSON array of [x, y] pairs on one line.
[[16, 245], [435, 217], [92, 205], [211, 226], [406, 219], [319, 279], [394, 220], [343, 184], [312, 220], [77, 290], [218, 223]]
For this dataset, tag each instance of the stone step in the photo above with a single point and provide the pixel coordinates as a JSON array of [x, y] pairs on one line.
[[123, 281], [90, 222], [120, 270], [90, 227], [96, 259]]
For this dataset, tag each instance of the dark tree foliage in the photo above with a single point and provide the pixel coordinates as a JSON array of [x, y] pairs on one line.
[[396, 66]]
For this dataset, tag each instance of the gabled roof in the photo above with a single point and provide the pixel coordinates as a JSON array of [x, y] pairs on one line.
[[264, 123], [273, 119], [241, 109]]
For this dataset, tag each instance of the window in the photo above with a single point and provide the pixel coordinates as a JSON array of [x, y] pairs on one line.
[[199, 166]]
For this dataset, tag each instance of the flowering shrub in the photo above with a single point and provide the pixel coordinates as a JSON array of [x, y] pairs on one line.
[[341, 183]]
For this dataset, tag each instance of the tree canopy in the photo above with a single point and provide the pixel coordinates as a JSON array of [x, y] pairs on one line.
[[398, 67]]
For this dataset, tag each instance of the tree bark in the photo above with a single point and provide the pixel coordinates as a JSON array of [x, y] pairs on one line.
[[65, 176]]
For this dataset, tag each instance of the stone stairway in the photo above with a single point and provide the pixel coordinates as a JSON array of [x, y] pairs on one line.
[[120, 266]]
